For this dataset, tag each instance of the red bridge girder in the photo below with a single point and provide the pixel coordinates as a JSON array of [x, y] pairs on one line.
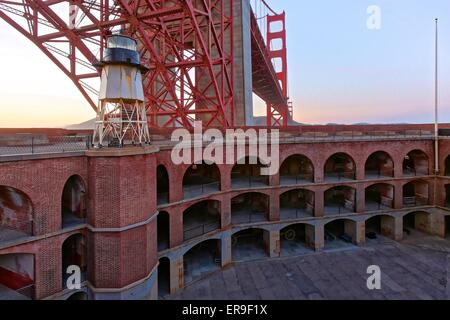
[[184, 43], [268, 84]]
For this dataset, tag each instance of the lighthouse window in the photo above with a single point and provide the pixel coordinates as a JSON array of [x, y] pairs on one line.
[[122, 42]]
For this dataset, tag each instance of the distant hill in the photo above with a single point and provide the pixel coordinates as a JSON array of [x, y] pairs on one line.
[[261, 121], [258, 121], [87, 125]]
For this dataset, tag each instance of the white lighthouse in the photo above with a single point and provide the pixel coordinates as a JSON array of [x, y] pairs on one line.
[[121, 115]]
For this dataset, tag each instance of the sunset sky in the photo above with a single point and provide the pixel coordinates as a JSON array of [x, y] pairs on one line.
[[339, 70]]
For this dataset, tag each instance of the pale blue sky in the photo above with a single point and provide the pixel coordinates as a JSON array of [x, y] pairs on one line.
[[339, 71]]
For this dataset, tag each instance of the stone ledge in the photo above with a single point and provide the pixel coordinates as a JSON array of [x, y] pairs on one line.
[[41, 156], [121, 152]]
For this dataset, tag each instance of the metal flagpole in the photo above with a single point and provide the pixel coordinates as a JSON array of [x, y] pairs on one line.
[[436, 103]]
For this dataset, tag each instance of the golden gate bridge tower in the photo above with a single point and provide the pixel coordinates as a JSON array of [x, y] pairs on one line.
[[205, 59]]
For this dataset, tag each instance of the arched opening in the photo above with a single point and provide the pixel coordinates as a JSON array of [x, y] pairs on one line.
[[416, 164], [340, 233], [447, 195], [416, 223], [379, 227], [249, 208], [162, 185], [163, 277], [447, 227], [202, 260], [250, 244], [74, 254], [296, 169], [17, 276], [379, 197], [201, 179], [73, 202], [340, 200], [163, 231], [415, 193], [16, 214], [80, 295], [297, 239], [247, 174], [201, 218], [379, 165], [447, 166], [340, 167], [296, 204]]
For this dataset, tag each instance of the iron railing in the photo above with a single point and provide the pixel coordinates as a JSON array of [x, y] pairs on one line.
[[294, 213], [386, 173], [200, 230], [339, 209], [415, 201], [297, 179], [23, 145], [358, 136], [238, 181], [192, 191], [18, 231], [248, 216], [408, 171], [340, 175], [377, 206]]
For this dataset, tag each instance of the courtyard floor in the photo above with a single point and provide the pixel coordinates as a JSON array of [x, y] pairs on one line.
[[415, 268]]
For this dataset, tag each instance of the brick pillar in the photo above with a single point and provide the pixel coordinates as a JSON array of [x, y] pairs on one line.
[[121, 244], [48, 269], [360, 171], [440, 193], [319, 203], [360, 233], [225, 177], [315, 236], [176, 275], [319, 173], [398, 196], [398, 228], [360, 198], [274, 180], [176, 185], [226, 252], [273, 242], [274, 214], [398, 168], [432, 197], [225, 211], [176, 228]]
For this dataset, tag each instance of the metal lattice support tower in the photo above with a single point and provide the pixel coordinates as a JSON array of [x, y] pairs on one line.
[[121, 121], [185, 44]]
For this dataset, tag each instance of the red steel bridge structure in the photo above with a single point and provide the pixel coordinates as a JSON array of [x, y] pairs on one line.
[[187, 45]]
